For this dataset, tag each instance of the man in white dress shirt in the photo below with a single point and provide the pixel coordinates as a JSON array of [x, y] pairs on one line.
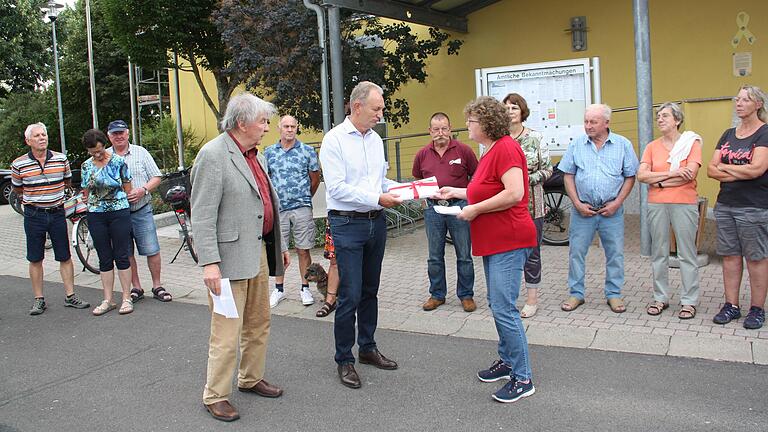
[[352, 158]]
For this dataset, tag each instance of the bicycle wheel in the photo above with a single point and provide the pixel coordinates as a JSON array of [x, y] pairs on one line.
[[190, 243], [15, 200], [557, 218], [83, 243]]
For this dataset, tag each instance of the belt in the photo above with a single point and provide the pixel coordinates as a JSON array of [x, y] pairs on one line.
[[444, 202], [594, 207], [47, 209], [373, 214]]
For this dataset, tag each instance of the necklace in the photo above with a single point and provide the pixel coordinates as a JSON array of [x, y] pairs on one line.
[[521, 132]]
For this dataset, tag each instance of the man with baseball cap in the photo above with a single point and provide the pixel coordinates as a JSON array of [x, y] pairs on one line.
[[146, 177]]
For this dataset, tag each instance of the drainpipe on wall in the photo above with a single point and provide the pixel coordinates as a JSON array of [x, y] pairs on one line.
[[325, 97]]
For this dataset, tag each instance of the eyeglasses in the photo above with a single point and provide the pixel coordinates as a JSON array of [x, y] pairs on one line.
[[442, 129], [473, 121]]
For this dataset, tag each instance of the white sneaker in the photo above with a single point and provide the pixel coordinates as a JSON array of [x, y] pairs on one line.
[[276, 297], [306, 297]]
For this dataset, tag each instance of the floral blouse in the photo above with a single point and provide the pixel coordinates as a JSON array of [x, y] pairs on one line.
[[539, 169], [105, 184]]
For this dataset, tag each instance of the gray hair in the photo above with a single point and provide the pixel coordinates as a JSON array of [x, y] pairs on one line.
[[245, 108], [604, 110], [677, 112], [757, 95], [33, 126], [362, 90]]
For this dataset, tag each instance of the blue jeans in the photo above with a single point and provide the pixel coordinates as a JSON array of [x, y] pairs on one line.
[[144, 231], [611, 231], [503, 275], [36, 224], [436, 226], [359, 246], [111, 233]]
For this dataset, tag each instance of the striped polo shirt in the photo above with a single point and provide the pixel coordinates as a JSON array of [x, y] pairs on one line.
[[43, 185]]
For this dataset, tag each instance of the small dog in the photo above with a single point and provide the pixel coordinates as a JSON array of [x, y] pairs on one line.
[[316, 273]]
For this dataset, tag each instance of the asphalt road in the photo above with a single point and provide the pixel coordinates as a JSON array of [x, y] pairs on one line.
[[69, 371]]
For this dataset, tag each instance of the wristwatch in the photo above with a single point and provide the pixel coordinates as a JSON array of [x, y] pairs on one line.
[[661, 186], [146, 191]]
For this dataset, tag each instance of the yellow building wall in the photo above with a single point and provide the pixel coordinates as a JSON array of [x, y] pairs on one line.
[[691, 58]]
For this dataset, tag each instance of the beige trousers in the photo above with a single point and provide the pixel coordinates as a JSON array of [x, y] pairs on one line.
[[251, 329]]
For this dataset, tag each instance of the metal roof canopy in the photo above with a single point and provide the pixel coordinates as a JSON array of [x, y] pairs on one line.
[[445, 14]]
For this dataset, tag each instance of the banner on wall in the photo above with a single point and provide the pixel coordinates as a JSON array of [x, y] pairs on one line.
[[557, 94]]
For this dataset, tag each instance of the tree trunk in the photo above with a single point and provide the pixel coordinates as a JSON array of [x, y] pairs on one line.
[[203, 90]]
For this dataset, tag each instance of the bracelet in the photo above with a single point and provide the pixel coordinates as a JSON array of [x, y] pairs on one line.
[[661, 186]]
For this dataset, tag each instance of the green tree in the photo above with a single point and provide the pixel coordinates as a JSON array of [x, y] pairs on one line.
[[17, 111], [149, 30], [25, 61], [284, 63]]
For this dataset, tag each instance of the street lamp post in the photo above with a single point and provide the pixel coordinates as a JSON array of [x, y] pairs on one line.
[[52, 10]]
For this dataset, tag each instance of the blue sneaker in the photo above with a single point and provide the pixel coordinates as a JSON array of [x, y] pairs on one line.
[[727, 314], [514, 390], [497, 371], [755, 318]]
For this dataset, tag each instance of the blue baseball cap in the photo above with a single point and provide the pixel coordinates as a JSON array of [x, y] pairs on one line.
[[117, 126]]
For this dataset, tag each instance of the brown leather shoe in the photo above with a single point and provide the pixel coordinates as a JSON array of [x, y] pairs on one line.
[[468, 304], [223, 411], [349, 376], [377, 359], [263, 388], [432, 304]]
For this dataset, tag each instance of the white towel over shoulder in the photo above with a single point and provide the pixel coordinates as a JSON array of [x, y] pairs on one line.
[[682, 149]]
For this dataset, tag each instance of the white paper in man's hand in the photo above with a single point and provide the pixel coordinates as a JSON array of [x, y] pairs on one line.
[[224, 303], [447, 210]]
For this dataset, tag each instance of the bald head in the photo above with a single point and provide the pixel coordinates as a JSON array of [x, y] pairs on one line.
[[288, 127]]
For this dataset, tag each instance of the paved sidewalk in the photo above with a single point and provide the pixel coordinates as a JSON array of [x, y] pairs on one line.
[[404, 287]]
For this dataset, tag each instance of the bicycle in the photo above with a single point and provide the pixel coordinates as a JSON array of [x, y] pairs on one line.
[[557, 210], [80, 238], [175, 189]]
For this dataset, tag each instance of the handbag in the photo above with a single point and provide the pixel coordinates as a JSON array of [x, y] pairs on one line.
[[74, 205]]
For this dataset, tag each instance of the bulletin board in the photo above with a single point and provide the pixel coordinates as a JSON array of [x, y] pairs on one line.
[[557, 94]]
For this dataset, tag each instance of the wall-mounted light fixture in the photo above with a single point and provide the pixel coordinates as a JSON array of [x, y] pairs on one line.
[[578, 33]]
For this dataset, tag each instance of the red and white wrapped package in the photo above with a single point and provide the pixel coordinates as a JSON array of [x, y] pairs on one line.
[[418, 189]]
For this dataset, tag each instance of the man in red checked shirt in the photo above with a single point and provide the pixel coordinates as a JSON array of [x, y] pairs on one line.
[[453, 163]]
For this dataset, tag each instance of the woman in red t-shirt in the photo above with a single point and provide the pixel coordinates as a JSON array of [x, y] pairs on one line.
[[502, 233]]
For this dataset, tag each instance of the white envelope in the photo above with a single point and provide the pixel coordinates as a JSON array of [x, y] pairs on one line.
[[224, 303], [447, 210]]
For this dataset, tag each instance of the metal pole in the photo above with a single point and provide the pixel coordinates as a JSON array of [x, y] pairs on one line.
[[177, 98], [132, 91], [644, 106], [325, 97], [159, 95], [58, 88], [596, 85], [95, 115], [337, 74]]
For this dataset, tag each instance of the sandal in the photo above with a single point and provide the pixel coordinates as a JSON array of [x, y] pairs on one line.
[[326, 308], [687, 312], [656, 307], [571, 304], [104, 307], [617, 305], [126, 307], [529, 310], [136, 294], [161, 294]]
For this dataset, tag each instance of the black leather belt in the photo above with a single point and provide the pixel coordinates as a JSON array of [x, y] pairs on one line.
[[47, 209], [444, 202], [373, 214]]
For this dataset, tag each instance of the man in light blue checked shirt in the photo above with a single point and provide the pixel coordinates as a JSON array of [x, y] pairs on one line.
[[600, 170], [146, 177]]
